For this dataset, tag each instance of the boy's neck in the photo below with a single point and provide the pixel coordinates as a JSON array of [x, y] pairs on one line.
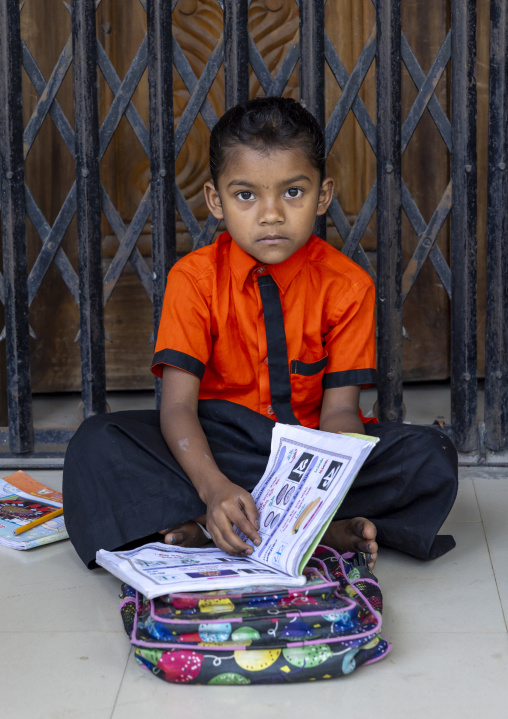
[[243, 264]]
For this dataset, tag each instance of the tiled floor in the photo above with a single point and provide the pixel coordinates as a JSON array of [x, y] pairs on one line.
[[65, 655]]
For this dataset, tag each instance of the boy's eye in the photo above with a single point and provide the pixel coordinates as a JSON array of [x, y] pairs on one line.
[[293, 192], [245, 195]]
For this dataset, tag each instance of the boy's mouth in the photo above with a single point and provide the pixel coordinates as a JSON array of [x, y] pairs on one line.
[[271, 239]]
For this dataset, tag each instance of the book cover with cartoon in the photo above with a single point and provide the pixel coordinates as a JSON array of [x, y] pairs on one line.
[[19, 509]]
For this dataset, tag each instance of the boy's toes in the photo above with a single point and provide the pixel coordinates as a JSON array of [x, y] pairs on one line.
[[176, 538], [353, 535], [370, 552], [365, 529], [188, 534]]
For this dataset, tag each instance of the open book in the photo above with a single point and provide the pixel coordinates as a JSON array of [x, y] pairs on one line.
[[306, 479], [23, 500]]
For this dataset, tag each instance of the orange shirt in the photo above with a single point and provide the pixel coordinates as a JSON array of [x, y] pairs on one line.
[[212, 325]]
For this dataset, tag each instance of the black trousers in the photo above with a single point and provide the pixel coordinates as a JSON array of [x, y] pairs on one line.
[[121, 483]]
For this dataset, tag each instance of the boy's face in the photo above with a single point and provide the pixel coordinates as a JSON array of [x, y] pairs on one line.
[[269, 201]]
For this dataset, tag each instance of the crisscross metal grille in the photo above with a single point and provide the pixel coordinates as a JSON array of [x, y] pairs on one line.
[[299, 69]]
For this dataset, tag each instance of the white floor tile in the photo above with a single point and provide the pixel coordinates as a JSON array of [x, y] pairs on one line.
[[492, 497], [84, 608], [436, 676], [54, 575], [64, 675], [455, 593], [465, 508], [53, 565]]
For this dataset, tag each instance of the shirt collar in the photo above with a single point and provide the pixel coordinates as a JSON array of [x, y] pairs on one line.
[[242, 264]]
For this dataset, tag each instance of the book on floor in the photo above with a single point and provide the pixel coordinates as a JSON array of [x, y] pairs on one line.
[[306, 479], [24, 500]]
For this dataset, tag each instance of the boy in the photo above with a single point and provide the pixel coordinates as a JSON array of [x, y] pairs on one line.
[[267, 324]]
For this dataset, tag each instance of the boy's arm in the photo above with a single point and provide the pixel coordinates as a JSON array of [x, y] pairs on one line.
[[339, 411], [226, 502]]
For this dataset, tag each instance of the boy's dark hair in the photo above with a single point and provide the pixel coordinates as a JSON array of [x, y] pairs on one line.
[[267, 123]]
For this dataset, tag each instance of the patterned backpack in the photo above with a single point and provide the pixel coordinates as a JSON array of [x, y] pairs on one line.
[[260, 635]]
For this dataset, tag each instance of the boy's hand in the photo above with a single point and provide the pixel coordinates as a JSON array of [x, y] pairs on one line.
[[227, 503], [227, 506]]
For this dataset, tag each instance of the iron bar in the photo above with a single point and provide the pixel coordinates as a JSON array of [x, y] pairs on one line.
[[418, 77], [162, 151], [274, 85], [236, 52], [352, 242], [426, 93], [464, 411], [47, 94], [258, 65], [199, 95], [427, 238], [48, 449], [12, 209], [128, 250], [187, 216], [340, 220], [496, 342], [190, 81], [93, 365], [207, 232], [389, 201], [51, 236], [130, 236], [420, 227], [312, 70], [115, 84], [122, 99], [350, 86], [285, 70], [51, 250]]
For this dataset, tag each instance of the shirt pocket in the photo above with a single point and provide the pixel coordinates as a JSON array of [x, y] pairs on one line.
[[308, 369], [307, 381]]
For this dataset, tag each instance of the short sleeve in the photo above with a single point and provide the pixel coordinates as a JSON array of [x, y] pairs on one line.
[[184, 338], [350, 341]]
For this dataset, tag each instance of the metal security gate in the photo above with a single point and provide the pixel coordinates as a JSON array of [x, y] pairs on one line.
[[478, 439]]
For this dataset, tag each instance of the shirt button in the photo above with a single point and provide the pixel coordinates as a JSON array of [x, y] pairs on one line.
[[260, 270], [269, 410], [265, 360]]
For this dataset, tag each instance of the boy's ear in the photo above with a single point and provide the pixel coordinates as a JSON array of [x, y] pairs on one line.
[[212, 198], [325, 196]]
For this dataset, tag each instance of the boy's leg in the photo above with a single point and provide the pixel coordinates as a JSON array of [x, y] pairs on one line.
[[121, 484], [407, 487]]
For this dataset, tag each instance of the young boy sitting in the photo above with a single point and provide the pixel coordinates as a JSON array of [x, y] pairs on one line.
[[269, 323]]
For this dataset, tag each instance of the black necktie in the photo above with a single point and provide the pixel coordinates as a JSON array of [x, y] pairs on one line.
[[278, 368]]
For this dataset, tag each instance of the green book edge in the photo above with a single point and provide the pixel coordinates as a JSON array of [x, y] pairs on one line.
[[310, 550]]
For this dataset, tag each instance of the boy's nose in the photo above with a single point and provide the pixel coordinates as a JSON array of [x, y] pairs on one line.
[[271, 213]]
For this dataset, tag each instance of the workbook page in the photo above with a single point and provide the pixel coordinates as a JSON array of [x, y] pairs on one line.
[[307, 477], [156, 569]]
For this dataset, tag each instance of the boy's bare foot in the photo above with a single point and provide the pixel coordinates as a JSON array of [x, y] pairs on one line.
[[188, 534], [353, 535]]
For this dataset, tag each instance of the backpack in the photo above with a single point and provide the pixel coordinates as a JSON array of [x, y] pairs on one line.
[[322, 630]]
